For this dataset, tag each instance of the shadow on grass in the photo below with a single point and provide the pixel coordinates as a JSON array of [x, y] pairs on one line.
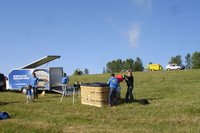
[[5, 103], [139, 101]]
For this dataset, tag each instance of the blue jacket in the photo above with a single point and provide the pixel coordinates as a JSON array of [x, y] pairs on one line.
[[64, 80], [113, 82], [35, 82], [29, 92]]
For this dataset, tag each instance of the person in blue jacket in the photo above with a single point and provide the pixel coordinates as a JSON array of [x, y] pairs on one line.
[[35, 81], [64, 82], [29, 94], [113, 84]]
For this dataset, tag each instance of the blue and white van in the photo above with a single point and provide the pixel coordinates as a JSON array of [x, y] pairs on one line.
[[49, 78]]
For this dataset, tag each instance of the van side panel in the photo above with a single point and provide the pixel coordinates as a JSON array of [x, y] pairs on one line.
[[19, 78]]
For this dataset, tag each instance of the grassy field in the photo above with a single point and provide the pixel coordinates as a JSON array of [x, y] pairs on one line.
[[174, 98]]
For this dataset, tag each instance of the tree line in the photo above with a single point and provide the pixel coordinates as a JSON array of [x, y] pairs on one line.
[[122, 65], [80, 72], [119, 65], [191, 61]]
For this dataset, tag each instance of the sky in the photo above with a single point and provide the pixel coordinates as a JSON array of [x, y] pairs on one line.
[[90, 33]]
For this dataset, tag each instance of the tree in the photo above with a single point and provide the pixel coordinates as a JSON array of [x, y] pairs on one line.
[[110, 67], [119, 65], [150, 63], [115, 66], [78, 72], [188, 61], [138, 65], [177, 60], [86, 71], [128, 64], [196, 60], [75, 72]]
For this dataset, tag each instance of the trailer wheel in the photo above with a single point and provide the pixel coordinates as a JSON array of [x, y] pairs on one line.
[[24, 90]]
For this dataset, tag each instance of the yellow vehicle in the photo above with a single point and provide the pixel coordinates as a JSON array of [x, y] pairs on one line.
[[154, 67]]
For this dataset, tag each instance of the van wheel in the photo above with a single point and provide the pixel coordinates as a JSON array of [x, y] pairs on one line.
[[168, 69], [24, 90], [178, 69]]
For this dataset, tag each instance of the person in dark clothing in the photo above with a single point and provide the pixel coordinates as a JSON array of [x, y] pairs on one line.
[[129, 81], [77, 85]]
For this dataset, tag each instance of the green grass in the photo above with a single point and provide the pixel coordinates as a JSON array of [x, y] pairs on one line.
[[174, 107]]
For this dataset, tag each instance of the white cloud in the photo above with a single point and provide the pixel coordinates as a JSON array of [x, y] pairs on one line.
[[134, 34], [146, 5]]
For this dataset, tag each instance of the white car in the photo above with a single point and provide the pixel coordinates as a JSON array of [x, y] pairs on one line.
[[174, 67]]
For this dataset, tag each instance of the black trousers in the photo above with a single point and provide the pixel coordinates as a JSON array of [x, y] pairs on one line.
[[35, 93], [129, 94]]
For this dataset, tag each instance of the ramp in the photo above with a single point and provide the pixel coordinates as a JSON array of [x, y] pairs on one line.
[[41, 61]]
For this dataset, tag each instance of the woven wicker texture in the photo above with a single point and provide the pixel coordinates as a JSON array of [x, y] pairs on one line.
[[94, 96]]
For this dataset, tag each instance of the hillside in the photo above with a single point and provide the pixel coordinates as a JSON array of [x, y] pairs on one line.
[[174, 107]]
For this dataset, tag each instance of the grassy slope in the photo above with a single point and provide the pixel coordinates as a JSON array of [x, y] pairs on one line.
[[174, 107]]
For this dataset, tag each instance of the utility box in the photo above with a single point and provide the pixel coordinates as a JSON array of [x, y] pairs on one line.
[[49, 78], [95, 94]]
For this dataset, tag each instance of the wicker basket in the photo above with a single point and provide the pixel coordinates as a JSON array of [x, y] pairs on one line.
[[94, 95]]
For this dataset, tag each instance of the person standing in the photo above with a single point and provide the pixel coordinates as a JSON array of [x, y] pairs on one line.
[[120, 79], [113, 84], [35, 86], [64, 82], [129, 81], [29, 94]]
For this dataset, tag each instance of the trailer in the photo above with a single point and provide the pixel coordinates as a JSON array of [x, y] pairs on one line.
[[49, 78]]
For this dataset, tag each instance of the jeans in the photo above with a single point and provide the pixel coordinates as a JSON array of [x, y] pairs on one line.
[[129, 94], [113, 96], [64, 89]]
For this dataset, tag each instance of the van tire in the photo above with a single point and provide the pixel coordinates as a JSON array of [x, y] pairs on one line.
[[24, 90]]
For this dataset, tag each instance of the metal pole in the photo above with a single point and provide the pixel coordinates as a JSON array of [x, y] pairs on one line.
[[73, 93]]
